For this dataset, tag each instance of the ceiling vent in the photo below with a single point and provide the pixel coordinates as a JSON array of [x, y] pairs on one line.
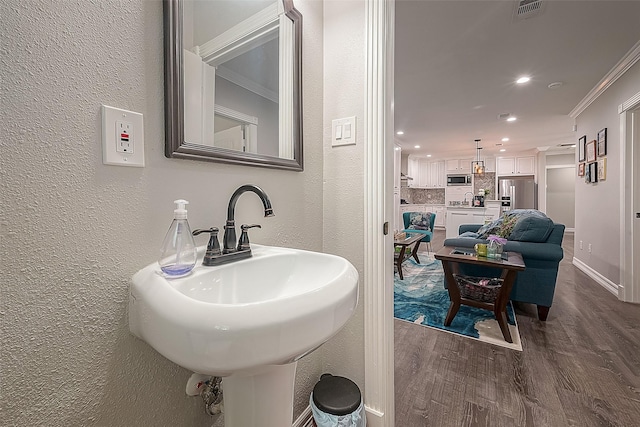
[[526, 9]]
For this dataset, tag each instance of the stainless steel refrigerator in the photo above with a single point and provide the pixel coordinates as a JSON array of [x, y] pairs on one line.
[[518, 192]]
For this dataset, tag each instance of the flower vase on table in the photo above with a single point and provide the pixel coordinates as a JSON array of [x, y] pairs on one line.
[[494, 247]]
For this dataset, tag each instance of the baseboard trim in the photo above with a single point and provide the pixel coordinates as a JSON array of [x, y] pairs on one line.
[[305, 419], [374, 418], [597, 277]]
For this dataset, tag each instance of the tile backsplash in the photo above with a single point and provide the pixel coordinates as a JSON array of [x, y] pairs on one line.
[[423, 196], [488, 180]]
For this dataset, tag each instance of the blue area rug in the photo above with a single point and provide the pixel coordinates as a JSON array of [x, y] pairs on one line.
[[421, 298]]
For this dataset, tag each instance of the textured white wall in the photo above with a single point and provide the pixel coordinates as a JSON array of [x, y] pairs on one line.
[[344, 92], [598, 204], [74, 231]]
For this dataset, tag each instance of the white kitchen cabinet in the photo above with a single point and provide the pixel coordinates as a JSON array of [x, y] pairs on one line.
[[524, 165], [441, 213], [437, 177], [459, 166], [413, 172], [490, 164], [455, 218], [424, 173], [397, 159], [397, 153]]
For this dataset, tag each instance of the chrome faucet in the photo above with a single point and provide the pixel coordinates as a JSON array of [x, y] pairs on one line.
[[230, 244], [232, 250], [465, 197]]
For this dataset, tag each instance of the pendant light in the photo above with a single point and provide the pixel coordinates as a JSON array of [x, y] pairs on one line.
[[477, 166]]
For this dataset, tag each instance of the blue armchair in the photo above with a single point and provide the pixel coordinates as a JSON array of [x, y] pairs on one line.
[[428, 234]]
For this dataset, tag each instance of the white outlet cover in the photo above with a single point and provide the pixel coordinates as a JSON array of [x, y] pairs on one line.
[[111, 118]]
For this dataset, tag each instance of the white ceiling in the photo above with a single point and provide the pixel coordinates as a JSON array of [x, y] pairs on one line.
[[456, 63]]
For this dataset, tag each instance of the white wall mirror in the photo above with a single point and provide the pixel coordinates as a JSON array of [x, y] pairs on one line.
[[233, 82]]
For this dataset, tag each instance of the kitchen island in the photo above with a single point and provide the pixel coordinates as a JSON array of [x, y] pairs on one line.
[[458, 215]]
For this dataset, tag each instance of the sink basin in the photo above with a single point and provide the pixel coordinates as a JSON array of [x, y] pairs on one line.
[[270, 309]]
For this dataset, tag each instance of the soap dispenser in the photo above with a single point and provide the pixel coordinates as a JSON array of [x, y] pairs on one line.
[[178, 255]]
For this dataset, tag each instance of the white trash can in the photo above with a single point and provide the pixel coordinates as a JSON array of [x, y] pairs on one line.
[[337, 402]]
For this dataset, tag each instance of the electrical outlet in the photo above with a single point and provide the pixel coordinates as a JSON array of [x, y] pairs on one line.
[[589, 247], [580, 244], [122, 137]]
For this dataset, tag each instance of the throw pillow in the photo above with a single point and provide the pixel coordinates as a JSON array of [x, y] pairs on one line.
[[529, 225], [420, 221], [491, 228]]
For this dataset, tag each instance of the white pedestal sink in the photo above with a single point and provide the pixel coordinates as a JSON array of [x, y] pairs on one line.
[[249, 322]]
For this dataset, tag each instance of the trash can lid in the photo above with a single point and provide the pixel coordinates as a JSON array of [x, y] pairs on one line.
[[336, 395]]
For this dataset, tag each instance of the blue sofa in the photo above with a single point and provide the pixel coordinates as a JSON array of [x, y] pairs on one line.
[[537, 283]]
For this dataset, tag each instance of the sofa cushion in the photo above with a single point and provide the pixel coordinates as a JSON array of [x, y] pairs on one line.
[[530, 226], [420, 221], [522, 225], [501, 227], [492, 227]]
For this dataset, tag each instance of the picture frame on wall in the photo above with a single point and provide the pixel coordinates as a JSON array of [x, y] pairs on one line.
[[592, 172], [581, 169], [602, 142], [602, 169], [582, 142], [591, 151]]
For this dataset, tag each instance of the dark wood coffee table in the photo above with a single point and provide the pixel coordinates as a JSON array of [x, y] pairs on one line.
[[404, 254], [509, 267]]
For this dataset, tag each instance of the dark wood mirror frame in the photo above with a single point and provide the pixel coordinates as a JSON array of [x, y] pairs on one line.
[[175, 145]]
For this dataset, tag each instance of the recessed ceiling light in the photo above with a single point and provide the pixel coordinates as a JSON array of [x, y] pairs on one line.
[[502, 150], [397, 148], [429, 155], [505, 139], [416, 146], [400, 132], [523, 79], [511, 119]]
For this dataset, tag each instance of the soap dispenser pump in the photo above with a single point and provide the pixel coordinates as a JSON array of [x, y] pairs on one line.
[[178, 254]]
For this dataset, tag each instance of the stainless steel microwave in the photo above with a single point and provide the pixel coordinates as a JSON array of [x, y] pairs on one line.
[[458, 179]]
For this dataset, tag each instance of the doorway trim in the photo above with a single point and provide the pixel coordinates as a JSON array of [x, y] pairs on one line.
[[378, 202], [629, 112]]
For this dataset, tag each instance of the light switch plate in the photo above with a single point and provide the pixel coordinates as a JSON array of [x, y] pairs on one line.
[[347, 133], [122, 137]]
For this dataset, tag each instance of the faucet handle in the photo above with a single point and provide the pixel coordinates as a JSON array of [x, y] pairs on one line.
[[213, 248], [243, 242]]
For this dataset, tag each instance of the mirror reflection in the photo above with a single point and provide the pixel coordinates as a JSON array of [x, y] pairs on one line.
[[240, 81]]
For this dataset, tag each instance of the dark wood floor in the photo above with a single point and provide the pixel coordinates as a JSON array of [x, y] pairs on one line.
[[580, 368]]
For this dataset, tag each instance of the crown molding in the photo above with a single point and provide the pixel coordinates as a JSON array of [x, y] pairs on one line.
[[614, 74]]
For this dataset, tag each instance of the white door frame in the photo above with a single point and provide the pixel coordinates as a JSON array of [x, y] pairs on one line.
[[378, 177], [630, 201]]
